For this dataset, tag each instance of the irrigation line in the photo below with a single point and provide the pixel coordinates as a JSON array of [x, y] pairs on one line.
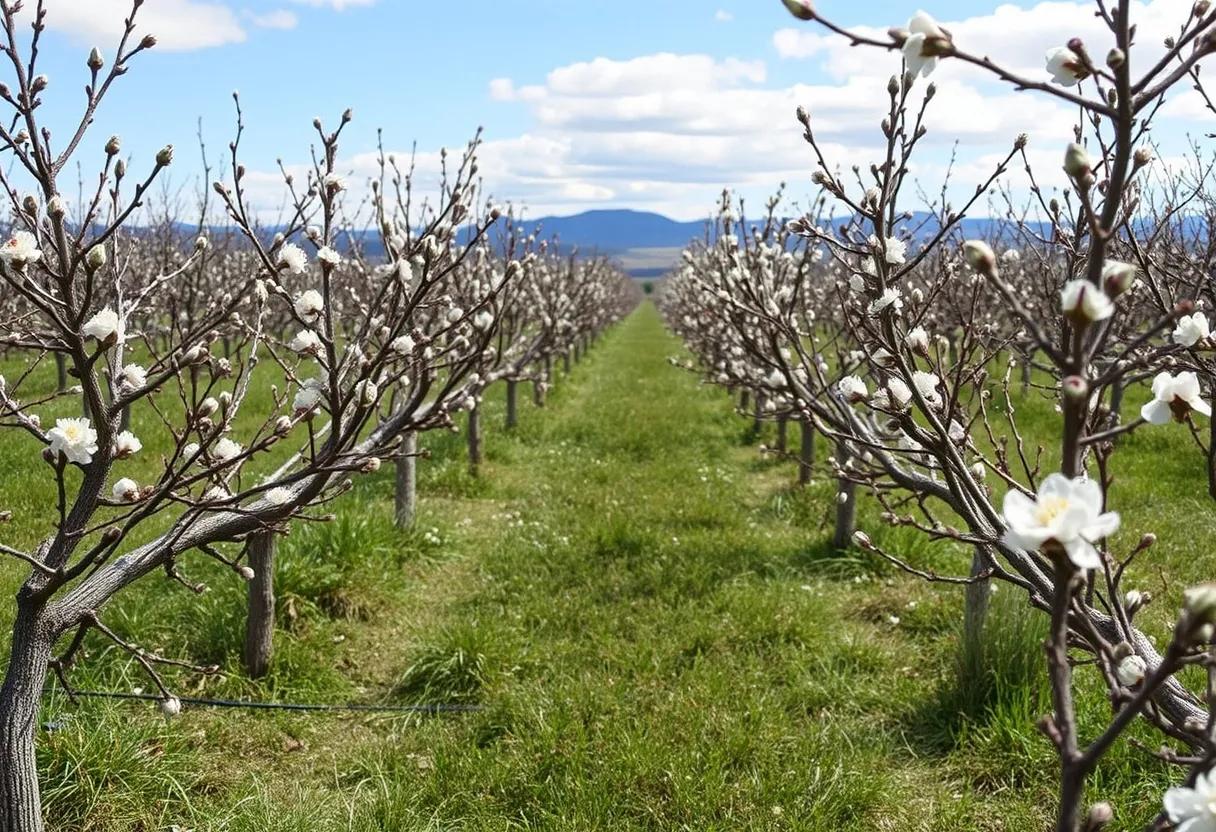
[[435, 708]]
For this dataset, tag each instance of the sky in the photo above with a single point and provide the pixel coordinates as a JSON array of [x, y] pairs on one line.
[[646, 104]]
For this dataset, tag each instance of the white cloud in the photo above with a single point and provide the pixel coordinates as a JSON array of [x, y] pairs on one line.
[[668, 131], [277, 19], [179, 25], [339, 5], [723, 16]]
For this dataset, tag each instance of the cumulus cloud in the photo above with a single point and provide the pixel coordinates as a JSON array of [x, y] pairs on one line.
[[669, 131], [277, 19], [179, 25]]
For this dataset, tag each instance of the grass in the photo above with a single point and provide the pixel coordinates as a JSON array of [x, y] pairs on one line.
[[653, 623]]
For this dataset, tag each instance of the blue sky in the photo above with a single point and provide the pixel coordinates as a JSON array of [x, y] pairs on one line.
[[686, 97]]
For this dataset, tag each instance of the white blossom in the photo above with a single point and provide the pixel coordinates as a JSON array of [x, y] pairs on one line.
[[1191, 329], [892, 297], [309, 305], [1084, 302], [1193, 808], [918, 50], [327, 255], [1065, 511], [21, 248], [126, 444], [125, 490], [402, 345], [853, 389], [1174, 396], [305, 342], [105, 326], [895, 250], [292, 258], [917, 340], [926, 384], [133, 377], [74, 439], [226, 450], [1065, 67]]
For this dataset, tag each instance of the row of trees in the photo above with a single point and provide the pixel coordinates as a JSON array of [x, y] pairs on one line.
[[900, 343], [274, 364]]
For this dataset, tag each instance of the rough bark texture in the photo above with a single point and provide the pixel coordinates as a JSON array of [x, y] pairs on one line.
[[846, 507], [61, 372], [259, 623], [975, 609], [806, 452], [406, 497], [475, 438], [20, 699], [512, 404]]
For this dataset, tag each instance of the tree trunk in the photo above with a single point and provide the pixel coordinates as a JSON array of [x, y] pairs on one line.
[[757, 419], [566, 362], [475, 438], [846, 503], [259, 624], [745, 399], [61, 372], [806, 452], [1026, 370], [783, 435], [538, 392], [20, 699], [512, 404], [406, 497], [975, 610]]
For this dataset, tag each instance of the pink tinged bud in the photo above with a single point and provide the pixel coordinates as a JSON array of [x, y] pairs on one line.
[[1074, 388], [1117, 277]]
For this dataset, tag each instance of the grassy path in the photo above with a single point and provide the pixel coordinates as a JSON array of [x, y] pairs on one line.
[[647, 613]]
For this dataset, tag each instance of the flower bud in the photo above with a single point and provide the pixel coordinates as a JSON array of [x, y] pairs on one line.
[[801, 9], [170, 706], [165, 156], [1075, 388], [96, 258], [1077, 163], [1117, 277], [95, 61], [980, 257]]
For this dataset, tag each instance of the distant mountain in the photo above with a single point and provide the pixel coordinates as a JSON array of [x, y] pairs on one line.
[[648, 245], [613, 231]]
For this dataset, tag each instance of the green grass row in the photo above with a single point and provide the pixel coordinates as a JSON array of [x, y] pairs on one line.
[[653, 622]]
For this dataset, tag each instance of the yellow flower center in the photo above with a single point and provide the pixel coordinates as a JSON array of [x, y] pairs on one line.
[[1049, 508]]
